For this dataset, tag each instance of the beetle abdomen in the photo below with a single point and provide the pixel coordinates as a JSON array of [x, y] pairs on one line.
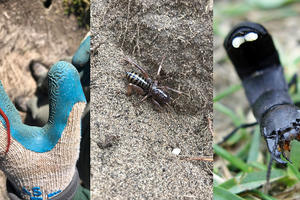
[[137, 80]]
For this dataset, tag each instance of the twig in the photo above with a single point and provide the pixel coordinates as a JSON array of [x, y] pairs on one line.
[[209, 159]]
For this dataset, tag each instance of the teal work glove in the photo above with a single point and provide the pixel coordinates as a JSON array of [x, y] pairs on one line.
[[81, 60], [40, 162]]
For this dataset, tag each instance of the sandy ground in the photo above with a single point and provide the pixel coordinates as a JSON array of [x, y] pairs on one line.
[[132, 144], [28, 32]]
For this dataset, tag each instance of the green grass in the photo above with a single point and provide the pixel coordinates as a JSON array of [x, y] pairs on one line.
[[250, 178]]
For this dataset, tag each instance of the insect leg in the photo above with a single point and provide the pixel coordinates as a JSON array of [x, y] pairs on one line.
[[145, 74], [160, 66], [169, 106], [131, 87], [173, 90], [158, 105], [145, 97], [235, 130]]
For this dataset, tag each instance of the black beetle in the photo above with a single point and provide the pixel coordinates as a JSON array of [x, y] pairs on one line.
[[250, 48]]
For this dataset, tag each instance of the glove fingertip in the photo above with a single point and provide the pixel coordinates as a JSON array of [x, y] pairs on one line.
[[64, 90], [82, 56]]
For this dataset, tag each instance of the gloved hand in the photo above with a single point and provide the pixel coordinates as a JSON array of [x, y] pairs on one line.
[[81, 60], [40, 162]]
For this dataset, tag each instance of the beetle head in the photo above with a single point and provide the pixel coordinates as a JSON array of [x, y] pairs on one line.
[[279, 126]]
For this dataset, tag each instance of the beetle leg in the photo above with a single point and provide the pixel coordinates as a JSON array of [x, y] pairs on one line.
[[171, 89], [158, 105], [131, 87], [145, 97], [159, 70], [160, 66], [169, 106], [235, 130], [145, 74]]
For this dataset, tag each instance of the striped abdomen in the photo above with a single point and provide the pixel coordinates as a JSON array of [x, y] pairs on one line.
[[137, 80]]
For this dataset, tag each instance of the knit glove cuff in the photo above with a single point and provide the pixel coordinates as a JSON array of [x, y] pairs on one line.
[[67, 194]]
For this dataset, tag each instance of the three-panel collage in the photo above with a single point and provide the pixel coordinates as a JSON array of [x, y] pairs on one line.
[[149, 99]]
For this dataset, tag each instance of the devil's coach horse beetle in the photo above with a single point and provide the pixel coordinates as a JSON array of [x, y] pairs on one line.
[[250, 48]]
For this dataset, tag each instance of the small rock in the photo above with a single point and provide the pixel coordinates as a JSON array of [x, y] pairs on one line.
[[176, 151]]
